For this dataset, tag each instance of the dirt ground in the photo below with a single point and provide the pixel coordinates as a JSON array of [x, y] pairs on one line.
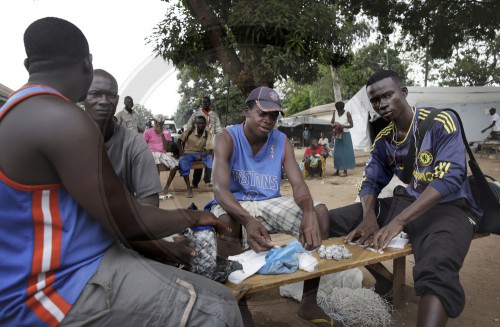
[[478, 274]]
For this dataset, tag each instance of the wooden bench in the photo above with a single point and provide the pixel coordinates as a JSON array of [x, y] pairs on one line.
[[194, 165], [360, 258], [489, 145]]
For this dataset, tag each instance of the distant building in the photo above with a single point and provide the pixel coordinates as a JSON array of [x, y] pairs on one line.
[[4, 93]]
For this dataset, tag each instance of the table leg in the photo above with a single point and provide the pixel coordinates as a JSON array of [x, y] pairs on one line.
[[398, 281]]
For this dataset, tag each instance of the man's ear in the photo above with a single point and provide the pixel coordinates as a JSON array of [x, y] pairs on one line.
[[247, 112], [27, 64], [87, 64], [404, 90]]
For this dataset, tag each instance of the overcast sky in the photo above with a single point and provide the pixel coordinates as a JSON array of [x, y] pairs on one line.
[[115, 31]]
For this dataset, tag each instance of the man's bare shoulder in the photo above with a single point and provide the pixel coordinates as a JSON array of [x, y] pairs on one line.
[[42, 126], [223, 142]]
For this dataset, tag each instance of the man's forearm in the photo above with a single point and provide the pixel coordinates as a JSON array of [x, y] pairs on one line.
[[303, 198], [368, 202], [157, 224], [152, 200]]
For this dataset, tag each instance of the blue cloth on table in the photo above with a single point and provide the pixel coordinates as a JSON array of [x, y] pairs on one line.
[[282, 260]]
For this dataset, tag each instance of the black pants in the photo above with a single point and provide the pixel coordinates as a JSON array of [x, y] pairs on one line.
[[197, 176], [440, 239]]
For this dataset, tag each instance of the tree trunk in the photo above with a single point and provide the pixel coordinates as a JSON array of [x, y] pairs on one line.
[[237, 71], [337, 95]]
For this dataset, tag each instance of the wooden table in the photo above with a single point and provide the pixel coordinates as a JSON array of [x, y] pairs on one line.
[[360, 258]]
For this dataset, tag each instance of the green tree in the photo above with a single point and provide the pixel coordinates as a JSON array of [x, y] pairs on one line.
[[301, 97], [473, 64], [367, 61], [254, 42], [352, 76], [144, 115], [433, 26], [224, 95]]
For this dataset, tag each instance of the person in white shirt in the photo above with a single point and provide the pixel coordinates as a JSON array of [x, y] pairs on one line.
[[495, 125], [324, 142]]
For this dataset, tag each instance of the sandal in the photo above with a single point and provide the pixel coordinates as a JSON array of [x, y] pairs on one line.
[[316, 322]]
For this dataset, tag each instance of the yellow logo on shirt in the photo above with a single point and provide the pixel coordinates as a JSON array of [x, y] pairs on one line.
[[425, 158]]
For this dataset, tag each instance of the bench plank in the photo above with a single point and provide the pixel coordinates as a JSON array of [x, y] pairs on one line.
[[195, 165]]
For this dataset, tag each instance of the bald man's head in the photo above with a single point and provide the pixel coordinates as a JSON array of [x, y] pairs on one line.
[[102, 99]]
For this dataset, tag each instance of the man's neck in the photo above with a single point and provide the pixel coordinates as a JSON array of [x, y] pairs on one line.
[[404, 121], [55, 81], [110, 130]]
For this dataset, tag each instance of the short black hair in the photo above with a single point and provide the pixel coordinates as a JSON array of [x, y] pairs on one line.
[[383, 74], [201, 117], [53, 42], [206, 97], [493, 111], [339, 105], [251, 104], [128, 97]]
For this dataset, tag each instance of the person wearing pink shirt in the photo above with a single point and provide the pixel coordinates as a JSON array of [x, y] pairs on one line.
[[158, 140]]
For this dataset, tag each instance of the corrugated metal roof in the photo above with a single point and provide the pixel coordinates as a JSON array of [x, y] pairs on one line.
[[4, 92], [316, 110]]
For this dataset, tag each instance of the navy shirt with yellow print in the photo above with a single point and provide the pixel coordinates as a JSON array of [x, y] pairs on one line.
[[440, 162]]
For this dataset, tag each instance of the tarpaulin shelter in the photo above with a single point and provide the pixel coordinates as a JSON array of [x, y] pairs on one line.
[[293, 126], [472, 103]]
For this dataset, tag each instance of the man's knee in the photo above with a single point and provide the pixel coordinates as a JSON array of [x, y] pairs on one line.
[[343, 220]]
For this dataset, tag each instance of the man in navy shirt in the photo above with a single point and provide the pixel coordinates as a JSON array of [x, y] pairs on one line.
[[436, 209]]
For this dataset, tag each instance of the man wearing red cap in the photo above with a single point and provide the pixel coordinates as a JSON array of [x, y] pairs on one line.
[[248, 161]]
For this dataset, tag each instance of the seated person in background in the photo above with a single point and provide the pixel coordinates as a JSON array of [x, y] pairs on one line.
[[195, 144], [495, 125], [248, 160], [158, 141], [314, 160], [131, 159], [324, 142]]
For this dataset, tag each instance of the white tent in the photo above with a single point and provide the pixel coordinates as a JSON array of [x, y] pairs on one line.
[[472, 103]]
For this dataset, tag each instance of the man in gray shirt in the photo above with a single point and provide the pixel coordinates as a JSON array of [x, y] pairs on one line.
[[130, 157]]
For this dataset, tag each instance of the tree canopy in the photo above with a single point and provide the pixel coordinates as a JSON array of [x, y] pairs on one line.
[[249, 43], [254, 42], [227, 100], [435, 25]]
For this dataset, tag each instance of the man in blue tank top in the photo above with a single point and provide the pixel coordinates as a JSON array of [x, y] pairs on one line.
[[248, 160], [436, 209], [64, 213]]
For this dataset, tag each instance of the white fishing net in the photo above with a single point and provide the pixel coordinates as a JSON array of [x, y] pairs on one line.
[[341, 296]]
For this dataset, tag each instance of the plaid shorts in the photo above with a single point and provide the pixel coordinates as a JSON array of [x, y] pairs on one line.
[[277, 215]]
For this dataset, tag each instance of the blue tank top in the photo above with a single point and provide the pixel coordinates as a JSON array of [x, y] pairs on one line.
[[49, 246], [255, 177]]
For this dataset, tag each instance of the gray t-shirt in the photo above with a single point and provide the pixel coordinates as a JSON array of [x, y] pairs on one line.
[[133, 162]]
